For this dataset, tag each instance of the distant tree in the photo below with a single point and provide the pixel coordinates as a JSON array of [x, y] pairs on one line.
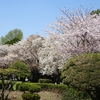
[[12, 37], [83, 73], [95, 12]]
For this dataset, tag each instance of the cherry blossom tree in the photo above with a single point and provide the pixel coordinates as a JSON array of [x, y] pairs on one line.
[[25, 51], [75, 33], [49, 61], [37, 52]]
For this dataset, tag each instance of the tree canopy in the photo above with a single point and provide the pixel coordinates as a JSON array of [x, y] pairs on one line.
[[20, 69], [12, 37], [83, 72], [95, 12], [75, 32]]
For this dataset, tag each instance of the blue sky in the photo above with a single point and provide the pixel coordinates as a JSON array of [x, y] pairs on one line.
[[31, 16]]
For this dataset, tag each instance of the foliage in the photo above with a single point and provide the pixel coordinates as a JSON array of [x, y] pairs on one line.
[[27, 86], [6, 85], [29, 96], [24, 50], [51, 87], [65, 91], [73, 94], [24, 86], [16, 86], [21, 69], [17, 68], [34, 88], [95, 12], [7, 80], [12, 37], [30, 88], [75, 32], [45, 81], [19, 84], [32, 52], [83, 73]]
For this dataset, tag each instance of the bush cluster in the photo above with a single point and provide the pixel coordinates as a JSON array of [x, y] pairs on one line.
[[64, 90], [16, 86], [34, 88], [45, 81], [29, 87], [31, 91], [82, 72], [50, 86], [24, 87], [29, 96]]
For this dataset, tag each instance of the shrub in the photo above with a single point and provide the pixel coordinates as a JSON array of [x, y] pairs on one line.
[[16, 86], [73, 94], [83, 73], [46, 86], [45, 81], [29, 96], [36, 97], [24, 86], [50, 86], [34, 88], [66, 92]]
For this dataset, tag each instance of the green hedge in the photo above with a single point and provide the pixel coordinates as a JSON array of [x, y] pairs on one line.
[[24, 87], [27, 86], [50, 86], [29, 96], [64, 90], [34, 88], [16, 85], [45, 81]]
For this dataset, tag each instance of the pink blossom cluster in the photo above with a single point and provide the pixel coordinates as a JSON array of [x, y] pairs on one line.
[[75, 33]]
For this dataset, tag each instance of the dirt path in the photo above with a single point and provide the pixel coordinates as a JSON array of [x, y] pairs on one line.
[[45, 95]]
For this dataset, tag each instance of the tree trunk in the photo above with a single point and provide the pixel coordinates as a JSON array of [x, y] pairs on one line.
[[3, 87]]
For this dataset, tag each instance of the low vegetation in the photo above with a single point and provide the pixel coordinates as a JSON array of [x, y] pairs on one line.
[[45, 91]]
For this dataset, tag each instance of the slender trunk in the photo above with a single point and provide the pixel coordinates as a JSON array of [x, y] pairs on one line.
[[3, 87], [9, 90]]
